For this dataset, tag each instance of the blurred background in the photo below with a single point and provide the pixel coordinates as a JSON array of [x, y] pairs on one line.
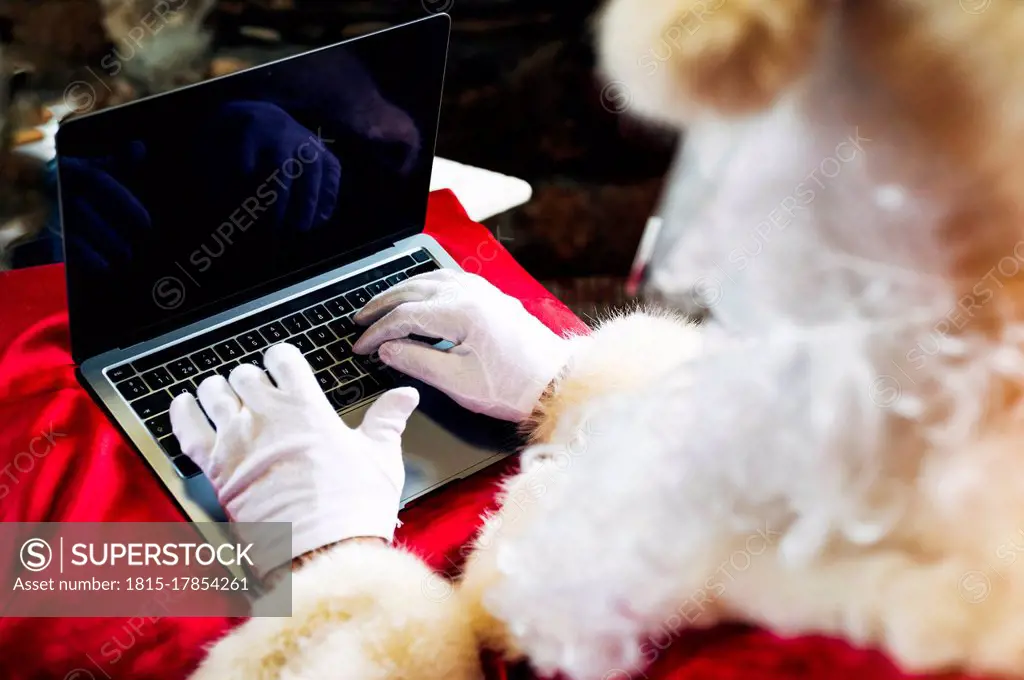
[[521, 98]]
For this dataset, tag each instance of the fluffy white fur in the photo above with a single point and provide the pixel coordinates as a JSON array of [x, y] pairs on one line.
[[840, 458], [359, 612], [836, 451], [764, 483]]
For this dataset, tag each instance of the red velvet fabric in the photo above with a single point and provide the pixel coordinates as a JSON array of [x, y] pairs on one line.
[[60, 460]]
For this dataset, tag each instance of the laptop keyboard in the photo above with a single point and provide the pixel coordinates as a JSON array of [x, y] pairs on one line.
[[318, 323]]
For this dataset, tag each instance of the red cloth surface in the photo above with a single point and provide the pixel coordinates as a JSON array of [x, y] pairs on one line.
[[61, 460]]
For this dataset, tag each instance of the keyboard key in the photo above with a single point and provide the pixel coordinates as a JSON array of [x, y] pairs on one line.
[[319, 359], [339, 306], [229, 350], [371, 385], [158, 378], [343, 326], [147, 407], [303, 343], [395, 279], [398, 265], [190, 346], [387, 379], [206, 359], [170, 446], [422, 268], [371, 364], [357, 298], [132, 388], [251, 341], [186, 387], [351, 393], [151, 361], [256, 359], [377, 287], [355, 332], [274, 332], [354, 338], [186, 468], [272, 314], [420, 256], [345, 371], [340, 350], [182, 369], [317, 315], [326, 380], [198, 380], [119, 373], [296, 323], [160, 426], [321, 336], [225, 369]]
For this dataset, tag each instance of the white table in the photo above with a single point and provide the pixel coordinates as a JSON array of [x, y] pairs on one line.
[[483, 193]]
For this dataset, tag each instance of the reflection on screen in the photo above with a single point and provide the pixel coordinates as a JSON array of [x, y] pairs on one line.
[[185, 205]]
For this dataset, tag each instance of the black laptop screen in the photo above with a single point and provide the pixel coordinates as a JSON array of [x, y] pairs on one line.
[[184, 205]]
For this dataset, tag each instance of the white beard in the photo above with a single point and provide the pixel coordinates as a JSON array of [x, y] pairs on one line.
[[838, 418], [799, 215]]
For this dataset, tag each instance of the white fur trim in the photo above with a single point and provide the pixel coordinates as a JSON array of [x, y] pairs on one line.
[[359, 612], [626, 352], [772, 481]]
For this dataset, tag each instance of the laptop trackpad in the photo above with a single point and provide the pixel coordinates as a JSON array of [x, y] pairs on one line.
[[443, 441]]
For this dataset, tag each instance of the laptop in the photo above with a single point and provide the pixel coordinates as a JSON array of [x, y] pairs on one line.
[[205, 225]]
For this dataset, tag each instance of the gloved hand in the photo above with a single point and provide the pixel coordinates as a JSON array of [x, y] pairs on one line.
[[281, 454], [503, 357], [254, 150]]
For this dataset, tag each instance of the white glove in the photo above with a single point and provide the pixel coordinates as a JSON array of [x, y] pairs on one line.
[[281, 454], [503, 357]]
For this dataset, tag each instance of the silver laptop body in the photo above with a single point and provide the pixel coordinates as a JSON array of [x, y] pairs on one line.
[[435, 453]]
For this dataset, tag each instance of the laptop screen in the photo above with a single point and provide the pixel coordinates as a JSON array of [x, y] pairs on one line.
[[187, 204]]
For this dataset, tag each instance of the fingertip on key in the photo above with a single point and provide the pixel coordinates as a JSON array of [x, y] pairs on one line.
[[179, 402], [212, 385], [246, 374], [362, 345], [282, 352]]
